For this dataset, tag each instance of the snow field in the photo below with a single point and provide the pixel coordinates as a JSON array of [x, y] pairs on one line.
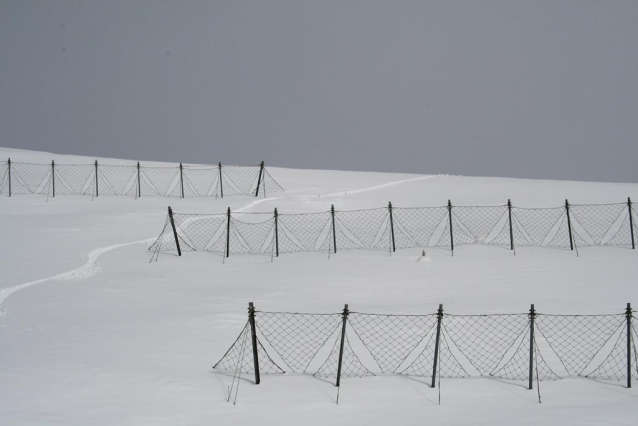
[[125, 341]]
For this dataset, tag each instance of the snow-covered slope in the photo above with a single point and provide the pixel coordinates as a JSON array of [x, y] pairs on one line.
[[92, 333]]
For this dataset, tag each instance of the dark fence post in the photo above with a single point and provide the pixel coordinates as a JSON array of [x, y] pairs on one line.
[[628, 315], [228, 233], [439, 316], [139, 181], [449, 209], [253, 335], [569, 225], [261, 171], [181, 178], [343, 340], [509, 210], [221, 183], [276, 232], [53, 176], [391, 226], [97, 192], [334, 232], [631, 223], [170, 216], [9, 165], [532, 316]]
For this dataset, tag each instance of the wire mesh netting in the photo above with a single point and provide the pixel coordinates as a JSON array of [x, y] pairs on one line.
[[516, 366], [362, 229], [135, 180], [416, 227], [485, 339], [160, 181], [448, 365], [240, 179], [576, 339], [351, 365], [297, 337], [391, 338], [27, 178], [201, 182], [481, 225], [614, 366], [598, 224], [240, 358], [538, 227], [411, 227], [497, 345], [75, 179], [304, 232], [4, 178]]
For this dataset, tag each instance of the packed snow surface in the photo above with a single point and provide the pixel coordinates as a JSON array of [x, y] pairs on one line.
[[92, 333]]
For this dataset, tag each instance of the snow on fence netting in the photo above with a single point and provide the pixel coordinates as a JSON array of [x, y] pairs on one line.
[[526, 347], [570, 226], [135, 181]]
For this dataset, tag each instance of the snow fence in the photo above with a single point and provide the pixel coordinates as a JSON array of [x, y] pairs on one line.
[[135, 180], [390, 228]]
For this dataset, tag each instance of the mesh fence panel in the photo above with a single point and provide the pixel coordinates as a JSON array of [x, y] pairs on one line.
[[485, 339], [239, 358], [576, 339], [357, 229], [201, 232], [416, 227], [351, 366], [29, 178], [197, 181], [598, 223], [240, 180], [74, 179], [391, 338], [481, 225], [4, 178], [201, 182], [536, 227], [372, 229], [160, 181], [304, 232], [297, 337], [253, 238], [614, 366], [116, 180]]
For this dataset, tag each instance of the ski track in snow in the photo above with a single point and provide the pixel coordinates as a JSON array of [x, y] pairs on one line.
[[374, 188], [91, 267]]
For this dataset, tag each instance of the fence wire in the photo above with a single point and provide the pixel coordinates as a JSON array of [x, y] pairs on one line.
[[496, 345], [135, 180], [391, 228], [576, 339], [297, 337], [239, 358]]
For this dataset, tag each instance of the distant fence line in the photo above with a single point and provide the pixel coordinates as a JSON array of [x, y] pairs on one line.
[[569, 226], [528, 346], [135, 180]]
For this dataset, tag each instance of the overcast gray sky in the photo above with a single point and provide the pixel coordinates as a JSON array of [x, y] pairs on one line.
[[493, 88]]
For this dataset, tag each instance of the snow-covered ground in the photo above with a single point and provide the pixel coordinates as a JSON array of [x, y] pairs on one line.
[[92, 333]]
